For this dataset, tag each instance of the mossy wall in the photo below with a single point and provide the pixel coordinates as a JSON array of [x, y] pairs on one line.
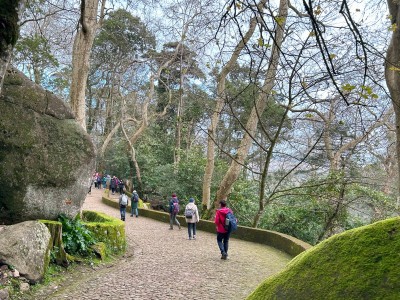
[[106, 229], [358, 264], [274, 239]]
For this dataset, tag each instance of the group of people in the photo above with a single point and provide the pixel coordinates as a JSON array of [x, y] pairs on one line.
[[105, 181], [123, 203], [192, 218]]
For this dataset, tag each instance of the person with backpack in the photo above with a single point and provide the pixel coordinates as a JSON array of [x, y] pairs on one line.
[[123, 203], [223, 233], [134, 203], [113, 184], [173, 211], [192, 217], [121, 186]]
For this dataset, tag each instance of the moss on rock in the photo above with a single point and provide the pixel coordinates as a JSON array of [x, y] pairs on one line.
[[46, 156], [358, 264], [106, 229], [100, 249]]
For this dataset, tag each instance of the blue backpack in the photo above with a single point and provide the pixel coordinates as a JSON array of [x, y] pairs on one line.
[[135, 197], [230, 222]]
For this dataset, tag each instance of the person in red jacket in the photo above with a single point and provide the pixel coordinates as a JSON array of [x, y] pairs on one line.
[[222, 233]]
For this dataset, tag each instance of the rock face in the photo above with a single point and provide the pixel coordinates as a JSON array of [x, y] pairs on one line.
[[46, 158], [25, 246]]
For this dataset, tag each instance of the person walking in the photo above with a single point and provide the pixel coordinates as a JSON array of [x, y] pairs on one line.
[[173, 211], [98, 181], [123, 203], [104, 182], [121, 186], [95, 180], [113, 184], [134, 204], [222, 233], [192, 217]]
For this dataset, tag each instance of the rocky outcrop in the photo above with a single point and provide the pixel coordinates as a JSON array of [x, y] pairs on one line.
[[46, 158], [25, 247], [361, 263]]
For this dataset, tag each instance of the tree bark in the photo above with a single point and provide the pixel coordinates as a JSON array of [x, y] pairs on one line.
[[392, 71], [9, 31], [251, 127], [56, 243], [5, 56], [82, 47], [178, 129], [133, 157]]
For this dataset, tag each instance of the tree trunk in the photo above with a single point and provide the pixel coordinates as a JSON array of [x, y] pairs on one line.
[[5, 56], [389, 163], [251, 126], [80, 57], [392, 69], [9, 31], [209, 169], [178, 129], [56, 243], [133, 157]]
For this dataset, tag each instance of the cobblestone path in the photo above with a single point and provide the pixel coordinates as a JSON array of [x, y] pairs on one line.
[[163, 264]]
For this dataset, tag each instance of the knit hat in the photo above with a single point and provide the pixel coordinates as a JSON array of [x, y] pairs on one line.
[[191, 200]]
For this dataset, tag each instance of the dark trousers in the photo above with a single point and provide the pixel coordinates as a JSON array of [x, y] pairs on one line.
[[191, 227], [223, 241]]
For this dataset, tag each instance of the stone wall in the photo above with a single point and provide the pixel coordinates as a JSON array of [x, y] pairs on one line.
[[283, 242]]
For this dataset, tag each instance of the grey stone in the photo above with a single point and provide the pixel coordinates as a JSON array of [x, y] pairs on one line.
[[15, 273], [24, 287], [4, 294], [25, 246], [46, 158]]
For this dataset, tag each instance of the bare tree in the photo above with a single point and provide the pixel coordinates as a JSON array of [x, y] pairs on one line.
[[89, 22], [265, 95], [220, 101]]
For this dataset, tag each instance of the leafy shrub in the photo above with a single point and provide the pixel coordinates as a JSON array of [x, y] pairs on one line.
[[77, 239]]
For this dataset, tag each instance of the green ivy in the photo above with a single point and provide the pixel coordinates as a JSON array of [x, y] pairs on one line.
[[77, 239]]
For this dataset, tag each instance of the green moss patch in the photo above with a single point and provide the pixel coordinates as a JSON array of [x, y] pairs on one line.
[[57, 252], [100, 250], [106, 229], [358, 264]]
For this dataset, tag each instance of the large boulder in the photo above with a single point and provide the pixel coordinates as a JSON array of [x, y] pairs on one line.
[[46, 158], [25, 247], [361, 263]]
